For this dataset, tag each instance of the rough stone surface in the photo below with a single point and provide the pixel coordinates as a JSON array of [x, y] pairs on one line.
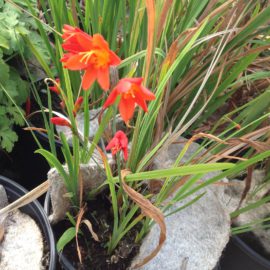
[[3, 203], [22, 244], [234, 193], [3, 197], [197, 234], [22, 247], [93, 175]]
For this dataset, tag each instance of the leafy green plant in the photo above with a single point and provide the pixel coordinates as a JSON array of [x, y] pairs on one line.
[[193, 58], [15, 25]]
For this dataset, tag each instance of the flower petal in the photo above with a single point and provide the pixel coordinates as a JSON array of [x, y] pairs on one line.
[[112, 143], [88, 78], [74, 62], [139, 99], [125, 152], [85, 41], [99, 42], [103, 77], [114, 59], [146, 94], [111, 98], [123, 86], [137, 81], [126, 108]]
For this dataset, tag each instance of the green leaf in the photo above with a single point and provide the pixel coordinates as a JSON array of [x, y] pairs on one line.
[[14, 115], [7, 138], [250, 206], [179, 171], [4, 74], [4, 42], [66, 237], [54, 162]]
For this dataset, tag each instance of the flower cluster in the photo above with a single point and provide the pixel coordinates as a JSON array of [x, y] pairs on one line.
[[92, 55]]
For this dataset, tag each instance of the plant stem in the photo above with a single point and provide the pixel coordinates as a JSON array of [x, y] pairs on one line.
[[125, 199]]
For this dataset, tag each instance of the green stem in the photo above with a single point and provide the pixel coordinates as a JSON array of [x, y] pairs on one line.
[[124, 195]]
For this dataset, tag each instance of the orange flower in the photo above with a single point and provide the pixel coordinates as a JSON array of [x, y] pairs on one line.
[[132, 93], [91, 54], [55, 88], [119, 142], [59, 121]]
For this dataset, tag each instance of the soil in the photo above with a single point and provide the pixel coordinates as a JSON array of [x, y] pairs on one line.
[[94, 254], [46, 256]]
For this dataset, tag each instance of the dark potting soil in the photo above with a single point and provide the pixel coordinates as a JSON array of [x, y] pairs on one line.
[[94, 254], [45, 262], [254, 242]]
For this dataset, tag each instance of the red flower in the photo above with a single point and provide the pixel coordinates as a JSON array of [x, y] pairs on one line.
[[77, 105], [88, 53], [55, 88], [132, 93], [119, 142], [59, 121]]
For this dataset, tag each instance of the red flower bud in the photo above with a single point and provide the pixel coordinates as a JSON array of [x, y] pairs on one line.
[[119, 142], [55, 88], [77, 105], [59, 121]]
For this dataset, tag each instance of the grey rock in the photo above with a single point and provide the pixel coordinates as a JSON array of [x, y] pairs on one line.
[[197, 234], [22, 247], [234, 193], [93, 175], [3, 203], [93, 124], [3, 197]]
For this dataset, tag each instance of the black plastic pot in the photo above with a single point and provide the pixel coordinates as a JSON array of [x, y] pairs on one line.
[[240, 256], [63, 261], [25, 167], [35, 210]]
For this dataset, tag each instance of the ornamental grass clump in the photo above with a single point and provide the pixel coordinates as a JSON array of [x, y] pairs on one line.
[[166, 67]]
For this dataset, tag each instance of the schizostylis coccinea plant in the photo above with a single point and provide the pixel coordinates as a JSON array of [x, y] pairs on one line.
[[164, 68]]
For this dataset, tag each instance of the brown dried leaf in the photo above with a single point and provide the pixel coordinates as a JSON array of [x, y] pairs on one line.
[[35, 129], [27, 198], [78, 222], [247, 186], [220, 156], [205, 135], [166, 7], [149, 210], [151, 16], [90, 228], [81, 187], [257, 145]]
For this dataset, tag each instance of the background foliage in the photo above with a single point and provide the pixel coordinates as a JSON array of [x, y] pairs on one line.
[[14, 25]]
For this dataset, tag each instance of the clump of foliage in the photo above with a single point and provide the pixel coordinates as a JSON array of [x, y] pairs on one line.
[[194, 58], [15, 26]]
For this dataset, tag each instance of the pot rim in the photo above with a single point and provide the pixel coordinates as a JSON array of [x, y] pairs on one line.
[[39, 216], [251, 252]]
